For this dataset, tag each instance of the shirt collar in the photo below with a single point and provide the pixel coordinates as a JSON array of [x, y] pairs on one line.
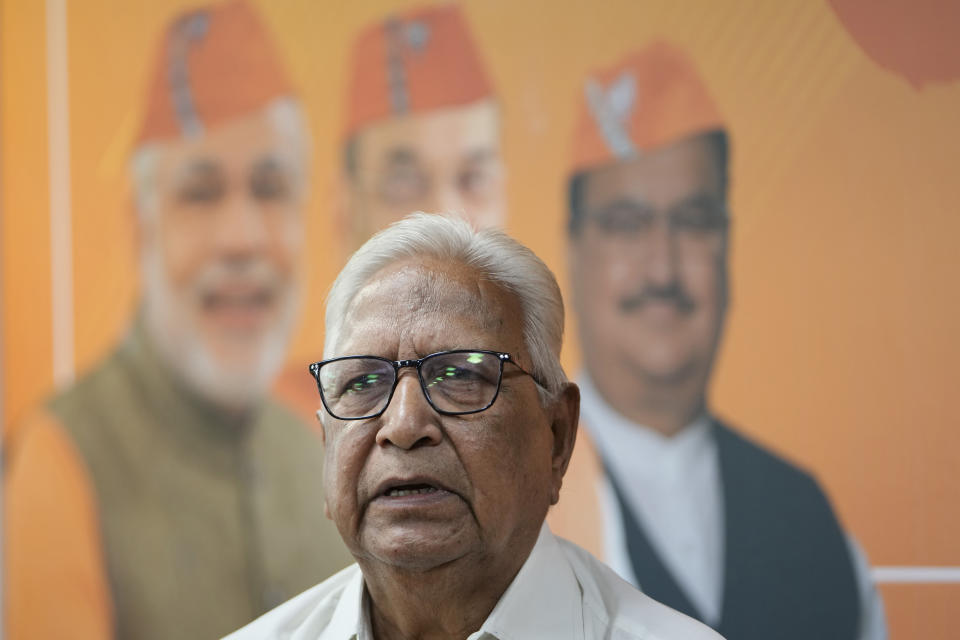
[[351, 618], [543, 601]]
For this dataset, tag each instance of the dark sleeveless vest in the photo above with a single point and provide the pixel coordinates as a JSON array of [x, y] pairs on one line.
[[788, 573], [207, 522]]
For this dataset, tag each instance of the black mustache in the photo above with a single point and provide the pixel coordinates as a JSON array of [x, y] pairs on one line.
[[673, 294]]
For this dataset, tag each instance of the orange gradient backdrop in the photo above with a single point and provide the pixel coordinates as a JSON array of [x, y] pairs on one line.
[[841, 347]]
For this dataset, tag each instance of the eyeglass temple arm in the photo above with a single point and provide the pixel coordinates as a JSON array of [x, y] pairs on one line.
[[506, 357]]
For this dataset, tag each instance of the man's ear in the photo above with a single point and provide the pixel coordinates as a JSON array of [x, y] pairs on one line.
[[565, 420]]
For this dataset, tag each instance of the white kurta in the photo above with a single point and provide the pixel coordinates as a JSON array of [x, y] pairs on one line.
[[561, 592], [674, 485]]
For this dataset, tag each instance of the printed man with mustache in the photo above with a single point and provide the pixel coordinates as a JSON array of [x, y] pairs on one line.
[[163, 495], [680, 504]]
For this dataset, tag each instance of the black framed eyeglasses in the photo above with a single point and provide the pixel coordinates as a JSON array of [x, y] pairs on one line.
[[454, 382]]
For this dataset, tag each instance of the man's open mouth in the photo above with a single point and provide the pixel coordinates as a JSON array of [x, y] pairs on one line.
[[410, 490]]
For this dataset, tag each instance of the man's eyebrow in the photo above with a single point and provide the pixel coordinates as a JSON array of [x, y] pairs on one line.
[[702, 198], [198, 167], [483, 154], [272, 162], [401, 156], [625, 203]]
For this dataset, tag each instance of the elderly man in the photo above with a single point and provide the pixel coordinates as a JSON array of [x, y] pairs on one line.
[[677, 502], [422, 126], [163, 496], [448, 425]]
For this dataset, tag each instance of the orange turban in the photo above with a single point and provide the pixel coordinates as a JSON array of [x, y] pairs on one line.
[[213, 64], [420, 61], [650, 98]]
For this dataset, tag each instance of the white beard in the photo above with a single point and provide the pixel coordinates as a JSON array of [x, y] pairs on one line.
[[181, 345]]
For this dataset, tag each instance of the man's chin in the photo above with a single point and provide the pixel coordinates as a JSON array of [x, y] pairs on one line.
[[414, 550], [231, 352], [661, 365], [230, 370]]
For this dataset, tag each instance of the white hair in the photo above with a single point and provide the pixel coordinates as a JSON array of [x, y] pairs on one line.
[[497, 256], [284, 113]]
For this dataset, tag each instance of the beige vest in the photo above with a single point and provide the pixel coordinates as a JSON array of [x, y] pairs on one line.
[[206, 523]]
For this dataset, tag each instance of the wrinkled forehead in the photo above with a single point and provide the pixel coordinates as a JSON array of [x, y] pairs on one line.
[[431, 303]]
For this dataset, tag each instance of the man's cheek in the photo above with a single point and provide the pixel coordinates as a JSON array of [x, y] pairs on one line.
[[182, 260], [703, 281], [610, 283]]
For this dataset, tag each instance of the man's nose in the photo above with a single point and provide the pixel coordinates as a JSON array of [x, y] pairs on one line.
[[661, 253], [241, 228], [409, 421]]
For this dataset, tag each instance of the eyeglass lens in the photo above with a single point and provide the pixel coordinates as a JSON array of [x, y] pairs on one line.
[[456, 382]]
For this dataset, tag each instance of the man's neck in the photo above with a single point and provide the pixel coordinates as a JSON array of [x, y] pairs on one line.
[[438, 603], [664, 406]]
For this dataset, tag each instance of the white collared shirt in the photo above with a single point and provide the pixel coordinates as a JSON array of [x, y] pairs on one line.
[[674, 485], [561, 592]]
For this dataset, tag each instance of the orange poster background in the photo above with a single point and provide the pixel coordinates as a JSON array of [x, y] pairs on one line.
[[841, 345]]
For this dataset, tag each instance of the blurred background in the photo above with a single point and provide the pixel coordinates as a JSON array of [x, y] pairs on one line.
[[840, 347]]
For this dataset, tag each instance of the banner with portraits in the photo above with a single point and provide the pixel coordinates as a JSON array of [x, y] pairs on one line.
[[750, 208]]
